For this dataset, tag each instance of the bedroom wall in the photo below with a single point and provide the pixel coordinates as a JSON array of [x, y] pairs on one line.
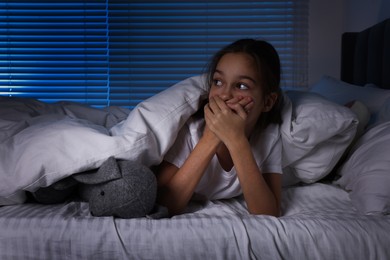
[[328, 19], [361, 14]]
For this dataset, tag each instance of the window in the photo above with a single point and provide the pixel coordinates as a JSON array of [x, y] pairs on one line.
[[112, 52]]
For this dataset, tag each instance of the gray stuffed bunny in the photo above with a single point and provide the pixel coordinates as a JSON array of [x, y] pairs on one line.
[[122, 189], [118, 188]]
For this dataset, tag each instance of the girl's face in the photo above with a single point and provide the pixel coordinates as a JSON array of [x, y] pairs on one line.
[[236, 77]]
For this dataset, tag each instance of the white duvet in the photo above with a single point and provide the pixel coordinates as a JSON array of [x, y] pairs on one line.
[[37, 151], [44, 143]]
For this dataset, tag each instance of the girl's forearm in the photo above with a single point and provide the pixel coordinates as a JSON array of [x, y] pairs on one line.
[[177, 192], [259, 197]]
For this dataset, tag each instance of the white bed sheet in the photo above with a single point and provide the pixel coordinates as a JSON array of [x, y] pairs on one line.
[[318, 222]]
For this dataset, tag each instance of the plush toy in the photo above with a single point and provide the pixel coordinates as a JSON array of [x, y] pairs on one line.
[[57, 192], [118, 188]]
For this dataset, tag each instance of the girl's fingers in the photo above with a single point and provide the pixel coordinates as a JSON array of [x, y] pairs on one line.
[[212, 106], [217, 105], [248, 107], [241, 112], [234, 100], [221, 104], [239, 105], [245, 101]]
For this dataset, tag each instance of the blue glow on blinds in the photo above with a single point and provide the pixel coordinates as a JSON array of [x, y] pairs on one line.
[[54, 50], [115, 52]]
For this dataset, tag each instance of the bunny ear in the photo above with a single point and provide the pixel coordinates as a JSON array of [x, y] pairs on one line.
[[108, 171]]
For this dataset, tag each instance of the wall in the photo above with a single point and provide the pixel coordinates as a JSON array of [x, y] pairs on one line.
[[325, 28], [361, 14], [328, 19]]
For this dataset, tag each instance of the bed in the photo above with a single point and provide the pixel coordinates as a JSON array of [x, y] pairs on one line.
[[335, 200]]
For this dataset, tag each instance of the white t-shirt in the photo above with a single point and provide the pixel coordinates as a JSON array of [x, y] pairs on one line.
[[216, 183]]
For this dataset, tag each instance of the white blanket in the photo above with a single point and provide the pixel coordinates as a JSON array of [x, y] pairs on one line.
[[44, 143]]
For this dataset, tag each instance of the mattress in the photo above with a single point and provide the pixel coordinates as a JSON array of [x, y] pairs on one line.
[[318, 222]]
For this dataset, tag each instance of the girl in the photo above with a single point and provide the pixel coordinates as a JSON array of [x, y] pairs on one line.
[[235, 147]]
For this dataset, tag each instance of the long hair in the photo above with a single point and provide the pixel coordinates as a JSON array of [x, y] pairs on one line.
[[267, 63]]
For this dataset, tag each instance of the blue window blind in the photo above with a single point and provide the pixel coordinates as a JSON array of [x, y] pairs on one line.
[[54, 50], [117, 52]]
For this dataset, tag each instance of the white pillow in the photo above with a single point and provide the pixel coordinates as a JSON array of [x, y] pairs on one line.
[[315, 133], [362, 113], [341, 93], [366, 172], [384, 112]]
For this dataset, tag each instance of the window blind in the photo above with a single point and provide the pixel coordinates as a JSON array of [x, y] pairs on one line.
[[113, 52], [52, 50]]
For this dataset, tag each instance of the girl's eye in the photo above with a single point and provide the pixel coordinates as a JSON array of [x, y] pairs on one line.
[[217, 82], [242, 86]]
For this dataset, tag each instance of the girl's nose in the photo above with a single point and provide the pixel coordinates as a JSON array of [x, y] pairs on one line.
[[226, 94]]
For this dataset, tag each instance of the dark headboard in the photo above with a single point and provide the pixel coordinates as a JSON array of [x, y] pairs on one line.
[[365, 56]]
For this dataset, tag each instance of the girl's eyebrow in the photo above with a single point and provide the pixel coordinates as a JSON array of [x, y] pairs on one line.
[[248, 78], [240, 76], [218, 71]]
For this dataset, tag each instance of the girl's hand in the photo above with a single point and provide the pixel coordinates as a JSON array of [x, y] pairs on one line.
[[226, 119], [210, 136], [245, 102]]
